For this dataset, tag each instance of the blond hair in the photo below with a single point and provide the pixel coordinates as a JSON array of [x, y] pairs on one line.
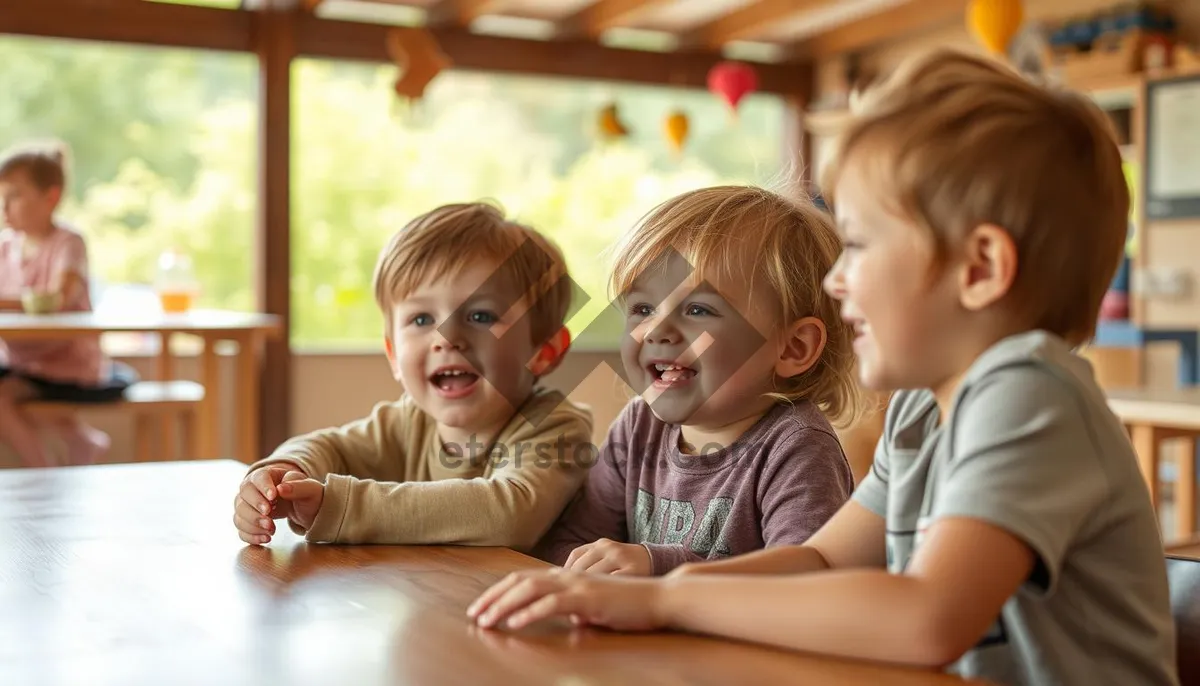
[[44, 163], [440, 242], [792, 245], [956, 141]]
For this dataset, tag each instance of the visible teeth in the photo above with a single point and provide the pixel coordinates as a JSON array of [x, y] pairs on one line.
[[668, 367], [452, 372]]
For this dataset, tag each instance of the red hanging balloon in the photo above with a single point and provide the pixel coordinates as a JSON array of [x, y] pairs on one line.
[[732, 81]]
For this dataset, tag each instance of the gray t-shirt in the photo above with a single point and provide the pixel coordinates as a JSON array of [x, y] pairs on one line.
[[1031, 447]]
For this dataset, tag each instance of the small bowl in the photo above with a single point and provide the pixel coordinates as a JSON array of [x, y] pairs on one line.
[[40, 303]]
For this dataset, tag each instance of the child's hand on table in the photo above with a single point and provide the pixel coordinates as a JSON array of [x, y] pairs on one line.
[[523, 598], [304, 495], [255, 504], [606, 556], [263, 497]]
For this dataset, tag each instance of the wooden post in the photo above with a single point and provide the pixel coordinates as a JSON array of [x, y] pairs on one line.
[[797, 158], [276, 46]]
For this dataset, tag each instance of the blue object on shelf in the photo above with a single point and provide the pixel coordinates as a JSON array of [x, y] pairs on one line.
[[1123, 334]]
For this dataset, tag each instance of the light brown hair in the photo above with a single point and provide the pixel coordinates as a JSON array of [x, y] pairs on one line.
[[45, 164], [955, 141], [440, 242], [791, 244]]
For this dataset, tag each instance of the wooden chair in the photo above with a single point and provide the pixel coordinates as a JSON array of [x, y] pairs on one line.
[[1183, 574], [149, 402]]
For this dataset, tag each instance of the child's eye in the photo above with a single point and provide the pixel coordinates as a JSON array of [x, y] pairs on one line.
[[482, 317], [695, 310], [640, 310], [850, 246], [421, 320]]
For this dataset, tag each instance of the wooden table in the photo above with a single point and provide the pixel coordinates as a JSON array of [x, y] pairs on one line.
[[249, 330], [132, 574], [1151, 417]]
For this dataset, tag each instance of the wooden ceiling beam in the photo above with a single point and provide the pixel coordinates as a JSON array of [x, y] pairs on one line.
[[912, 17], [168, 25], [461, 12], [749, 21], [602, 15], [145, 23], [566, 58]]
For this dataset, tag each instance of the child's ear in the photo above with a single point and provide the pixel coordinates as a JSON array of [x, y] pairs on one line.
[[54, 196], [551, 354], [390, 351], [989, 267], [802, 346]]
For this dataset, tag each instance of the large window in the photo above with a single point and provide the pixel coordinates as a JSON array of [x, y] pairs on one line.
[[163, 156], [365, 163]]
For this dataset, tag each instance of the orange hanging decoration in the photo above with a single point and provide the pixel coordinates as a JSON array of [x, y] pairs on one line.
[[995, 22], [609, 123], [419, 57], [676, 129]]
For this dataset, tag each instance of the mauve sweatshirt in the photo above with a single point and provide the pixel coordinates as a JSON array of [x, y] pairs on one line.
[[776, 485]]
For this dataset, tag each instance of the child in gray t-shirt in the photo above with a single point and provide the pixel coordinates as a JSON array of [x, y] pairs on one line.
[[1005, 531]]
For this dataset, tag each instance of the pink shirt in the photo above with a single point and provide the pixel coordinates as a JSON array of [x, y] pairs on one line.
[[43, 267]]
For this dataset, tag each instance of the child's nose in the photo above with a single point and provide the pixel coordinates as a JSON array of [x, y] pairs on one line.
[[447, 338], [663, 333], [834, 282]]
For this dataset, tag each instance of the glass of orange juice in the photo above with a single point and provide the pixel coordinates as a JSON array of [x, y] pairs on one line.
[[176, 282]]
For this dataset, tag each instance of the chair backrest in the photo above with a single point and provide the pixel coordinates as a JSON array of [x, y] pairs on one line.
[[1183, 575]]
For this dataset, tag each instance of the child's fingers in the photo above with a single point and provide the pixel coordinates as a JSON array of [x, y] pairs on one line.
[[522, 594], [576, 554], [604, 565], [264, 480], [293, 475], [254, 539], [586, 559], [245, 513], [495, 591], [301, 490], [249, 494], [556, 603], [251, 530]]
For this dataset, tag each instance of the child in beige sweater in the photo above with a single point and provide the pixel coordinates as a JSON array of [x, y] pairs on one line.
[[474, 452]]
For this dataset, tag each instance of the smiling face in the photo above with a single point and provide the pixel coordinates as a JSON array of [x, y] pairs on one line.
[[461, 351], [901, 308], [704, 353]]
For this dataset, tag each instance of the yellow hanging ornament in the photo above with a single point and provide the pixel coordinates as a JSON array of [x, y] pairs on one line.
[[995, 22], [676, 129]]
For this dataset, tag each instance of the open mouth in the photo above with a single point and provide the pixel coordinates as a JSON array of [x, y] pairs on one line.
[[667, 374], [454, 382]]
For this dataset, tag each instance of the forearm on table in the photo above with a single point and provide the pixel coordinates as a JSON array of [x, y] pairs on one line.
[[792, 559], [857, 613], [480, 512]]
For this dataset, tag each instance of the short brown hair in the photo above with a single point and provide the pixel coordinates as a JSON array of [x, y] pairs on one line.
[[45, 164], [957, 141], [438, 243], [792, 244]]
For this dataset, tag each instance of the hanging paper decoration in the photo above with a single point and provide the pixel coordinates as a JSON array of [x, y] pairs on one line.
[[995, 22], [676, 129], [732, 81], [419, 57], [609, 122]]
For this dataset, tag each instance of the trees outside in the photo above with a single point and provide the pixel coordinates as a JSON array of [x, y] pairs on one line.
[[163, 145]]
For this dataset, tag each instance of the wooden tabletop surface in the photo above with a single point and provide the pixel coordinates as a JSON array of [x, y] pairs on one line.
[[65, 324], [132, 575]]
